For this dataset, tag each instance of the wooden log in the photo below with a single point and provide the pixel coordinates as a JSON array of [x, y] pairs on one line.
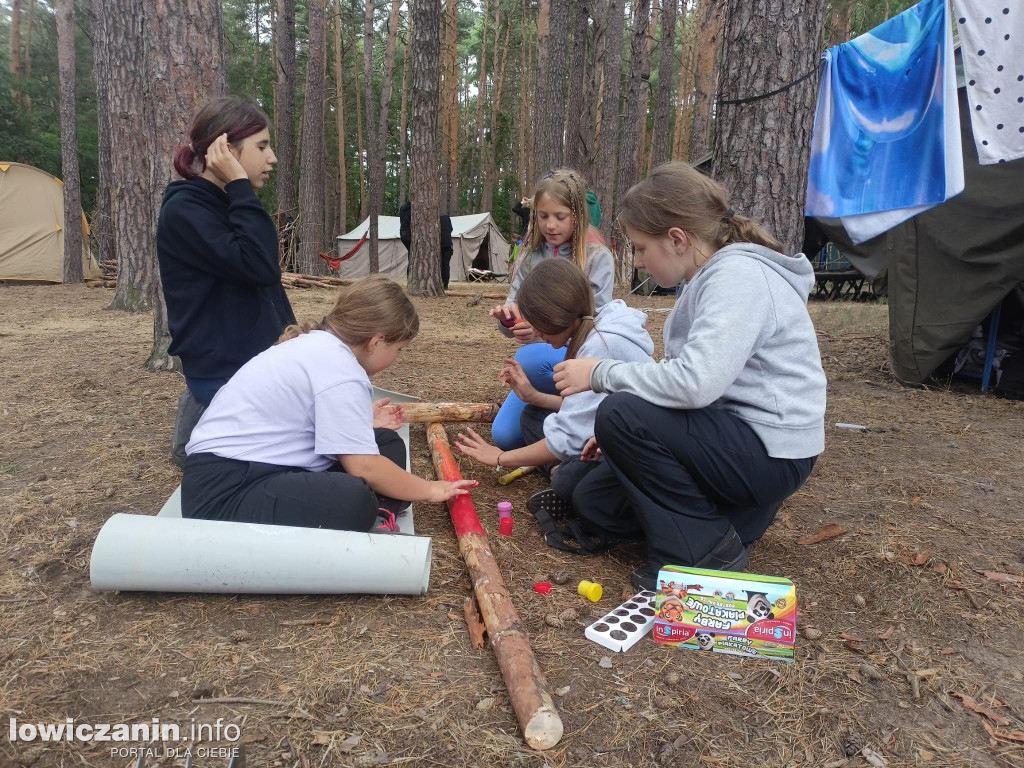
[[473, 294], [527, 688], [427, 413], [474, 623]]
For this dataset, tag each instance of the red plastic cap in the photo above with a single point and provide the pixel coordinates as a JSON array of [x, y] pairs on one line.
[[543, 587], [505, 526]]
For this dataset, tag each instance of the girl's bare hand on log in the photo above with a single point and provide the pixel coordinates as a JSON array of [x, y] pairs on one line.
[[222, 162], [514, 377], [442, 490], [478, 449], [572, 376], [387, 416], [590, 451]]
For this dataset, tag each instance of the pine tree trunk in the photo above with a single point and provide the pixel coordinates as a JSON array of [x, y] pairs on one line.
[[763, 147], [490, 158], [684, 94], [645, 112], [102, 220], [711, 18], [64, 10], [481, 94], [629, 153], [311, 166], [371, 135], [28, 38], [284, 94], [425, 267], [14, 41], [403, 157], [576, 133], [360, 144], [377, 131], [588, 128], [450, 196], [666, 74], [549, 99], [609, 141], [339, 115], [163, 62]]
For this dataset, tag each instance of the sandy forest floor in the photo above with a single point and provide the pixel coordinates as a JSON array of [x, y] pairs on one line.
[[926, 581]]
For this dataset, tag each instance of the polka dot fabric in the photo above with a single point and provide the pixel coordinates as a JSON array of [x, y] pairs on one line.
[[992, 44]]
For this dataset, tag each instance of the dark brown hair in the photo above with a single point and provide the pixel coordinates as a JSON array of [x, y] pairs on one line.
[[678, 195], [373, 306], [556, 295], [225, 114]]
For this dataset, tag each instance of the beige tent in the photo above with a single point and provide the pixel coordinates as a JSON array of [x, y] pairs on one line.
[[32, 226], [476, 243]]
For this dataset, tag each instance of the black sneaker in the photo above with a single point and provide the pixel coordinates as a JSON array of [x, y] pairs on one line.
[[548, 501], [729, 555]]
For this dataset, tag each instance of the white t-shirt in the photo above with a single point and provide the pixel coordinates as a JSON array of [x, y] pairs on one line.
[[298, 404]]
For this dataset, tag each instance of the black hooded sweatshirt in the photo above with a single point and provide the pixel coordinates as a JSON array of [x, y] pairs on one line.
[[217, 251]]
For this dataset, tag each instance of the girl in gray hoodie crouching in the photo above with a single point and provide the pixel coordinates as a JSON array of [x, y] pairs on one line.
[[557, 301], [701, 449]]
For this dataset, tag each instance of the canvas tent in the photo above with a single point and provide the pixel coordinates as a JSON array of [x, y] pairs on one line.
[[949, 267], [476, 242], [32, 226]]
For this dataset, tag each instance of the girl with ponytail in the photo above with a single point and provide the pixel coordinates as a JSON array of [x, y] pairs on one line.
[[217, 251], [701, 449], [294, 437], [557, 301]]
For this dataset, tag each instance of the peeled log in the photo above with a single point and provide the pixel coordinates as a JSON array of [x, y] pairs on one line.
[[527, 688], [426, 413]]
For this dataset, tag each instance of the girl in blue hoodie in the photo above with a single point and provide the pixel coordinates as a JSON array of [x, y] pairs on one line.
[[702, 448], [557, 302], [559, 229]]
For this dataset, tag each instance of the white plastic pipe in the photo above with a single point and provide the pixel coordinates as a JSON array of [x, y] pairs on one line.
[[166, 554]]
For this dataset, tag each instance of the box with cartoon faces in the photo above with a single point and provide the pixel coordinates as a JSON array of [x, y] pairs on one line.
[[726, 612]]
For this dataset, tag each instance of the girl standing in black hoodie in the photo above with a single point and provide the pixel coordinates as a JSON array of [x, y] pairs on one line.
[[217, 251]]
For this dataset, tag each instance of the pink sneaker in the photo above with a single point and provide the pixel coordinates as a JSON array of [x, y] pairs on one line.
[[385, 522]]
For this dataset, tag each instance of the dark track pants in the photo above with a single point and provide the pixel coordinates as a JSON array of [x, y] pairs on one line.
[[215, 488], [564, 475], [682, 478]]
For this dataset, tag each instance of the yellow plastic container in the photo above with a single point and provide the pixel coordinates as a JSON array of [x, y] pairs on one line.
[[590, 590]]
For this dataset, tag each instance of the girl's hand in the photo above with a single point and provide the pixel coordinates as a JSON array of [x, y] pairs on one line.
[[572, 376], [387, 416], [524, 332], [514, 377], [442, 490], [508, 311], [222, 162], [477, 448], [590, 451]]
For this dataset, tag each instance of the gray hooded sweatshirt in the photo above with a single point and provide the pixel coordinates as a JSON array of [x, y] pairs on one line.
[[739, 337], [600, 269], [619, 334]]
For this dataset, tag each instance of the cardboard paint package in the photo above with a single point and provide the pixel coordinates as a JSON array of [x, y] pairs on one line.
[[726, 612]]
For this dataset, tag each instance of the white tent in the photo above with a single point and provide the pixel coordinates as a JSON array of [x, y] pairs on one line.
[[476, 242]]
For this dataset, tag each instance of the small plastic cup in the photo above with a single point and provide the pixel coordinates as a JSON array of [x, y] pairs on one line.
[[505, 526], [508, 322], [504, 509], [590, 590]]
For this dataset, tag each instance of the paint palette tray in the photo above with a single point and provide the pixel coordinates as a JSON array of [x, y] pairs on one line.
[[623, 627]]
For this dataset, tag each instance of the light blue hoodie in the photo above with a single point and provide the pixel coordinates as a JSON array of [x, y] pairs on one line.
[[739, 337], [619, 334]]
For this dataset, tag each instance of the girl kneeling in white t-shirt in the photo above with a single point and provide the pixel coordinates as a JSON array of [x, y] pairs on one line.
[[294, 437]]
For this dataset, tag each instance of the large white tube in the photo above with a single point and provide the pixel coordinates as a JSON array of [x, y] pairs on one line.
[[167, 554]]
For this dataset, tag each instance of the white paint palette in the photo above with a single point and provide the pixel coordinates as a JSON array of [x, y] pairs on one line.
[[622, 628]]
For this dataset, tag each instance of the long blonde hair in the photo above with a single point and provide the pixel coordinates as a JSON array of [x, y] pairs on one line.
[[373, 306], [555, 295], [565, 187], [678, 195]]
